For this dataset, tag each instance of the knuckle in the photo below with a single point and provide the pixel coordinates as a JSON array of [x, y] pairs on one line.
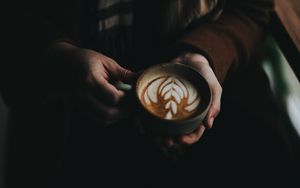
[[187, 142], [220, 88], [123, 73], [109, 60], [88, 55], [217, 87], [90, 78], [215, 109]]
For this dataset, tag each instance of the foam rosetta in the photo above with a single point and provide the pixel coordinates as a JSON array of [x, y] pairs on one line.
[[171, 97]]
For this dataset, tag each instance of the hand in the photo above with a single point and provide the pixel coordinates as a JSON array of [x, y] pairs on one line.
[[200, 63], [93, 75]]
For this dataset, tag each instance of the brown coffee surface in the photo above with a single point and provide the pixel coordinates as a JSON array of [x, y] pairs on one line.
[[171, 97]]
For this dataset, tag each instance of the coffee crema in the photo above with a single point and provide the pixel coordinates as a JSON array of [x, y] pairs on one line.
[[171, 97]]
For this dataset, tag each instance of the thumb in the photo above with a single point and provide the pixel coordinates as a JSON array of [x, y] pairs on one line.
[[126, 75], [121, 74], [215, 106]]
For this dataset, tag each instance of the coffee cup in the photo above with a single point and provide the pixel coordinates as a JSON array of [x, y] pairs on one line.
[[172, 99]]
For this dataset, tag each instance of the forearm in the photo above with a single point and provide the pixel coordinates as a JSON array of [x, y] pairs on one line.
[[232, 39]]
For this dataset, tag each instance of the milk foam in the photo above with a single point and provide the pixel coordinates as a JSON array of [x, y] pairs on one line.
[[173, 91]]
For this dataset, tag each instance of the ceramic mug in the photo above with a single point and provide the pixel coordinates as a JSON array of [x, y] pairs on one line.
[[172, 99]]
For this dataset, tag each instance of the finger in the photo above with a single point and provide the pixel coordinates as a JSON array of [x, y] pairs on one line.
[[194, 58], [177, 60], [215, 106], [164, 142], [201, 64], [126, 75], [119, 73], [192, 137], [109, 92]]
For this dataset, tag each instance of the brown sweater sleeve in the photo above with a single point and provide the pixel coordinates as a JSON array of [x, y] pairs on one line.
[[232, 39]]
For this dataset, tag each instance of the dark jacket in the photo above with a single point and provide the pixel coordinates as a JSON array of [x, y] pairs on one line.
[[227, 42]]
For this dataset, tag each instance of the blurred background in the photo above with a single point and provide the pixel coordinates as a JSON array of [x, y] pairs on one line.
[[3, 124]]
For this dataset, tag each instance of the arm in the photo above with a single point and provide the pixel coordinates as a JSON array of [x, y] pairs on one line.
[[224, 44], [232, 39], [47, 55]]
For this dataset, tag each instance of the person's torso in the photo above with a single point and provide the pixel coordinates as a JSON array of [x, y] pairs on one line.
[[128, 31]]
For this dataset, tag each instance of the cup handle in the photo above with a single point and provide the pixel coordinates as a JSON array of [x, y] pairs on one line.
[[125, 86], [122, 86]]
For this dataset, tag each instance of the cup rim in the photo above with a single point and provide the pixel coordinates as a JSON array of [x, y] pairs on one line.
[[186, 120]]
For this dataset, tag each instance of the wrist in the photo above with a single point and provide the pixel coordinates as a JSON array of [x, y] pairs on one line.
[[60, 47], [183, 48]]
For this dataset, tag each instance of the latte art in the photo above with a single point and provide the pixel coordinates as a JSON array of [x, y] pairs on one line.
[[170, 97]]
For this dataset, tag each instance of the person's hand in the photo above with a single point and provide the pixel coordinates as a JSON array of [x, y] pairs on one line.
[[93, 75], [200, 64]]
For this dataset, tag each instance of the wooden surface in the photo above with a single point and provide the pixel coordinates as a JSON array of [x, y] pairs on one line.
[[286, 30], [288, 12]]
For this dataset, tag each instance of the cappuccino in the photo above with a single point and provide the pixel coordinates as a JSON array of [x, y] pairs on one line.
[[170, 97]]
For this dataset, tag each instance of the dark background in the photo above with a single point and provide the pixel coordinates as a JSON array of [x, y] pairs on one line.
[[235, 154]]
